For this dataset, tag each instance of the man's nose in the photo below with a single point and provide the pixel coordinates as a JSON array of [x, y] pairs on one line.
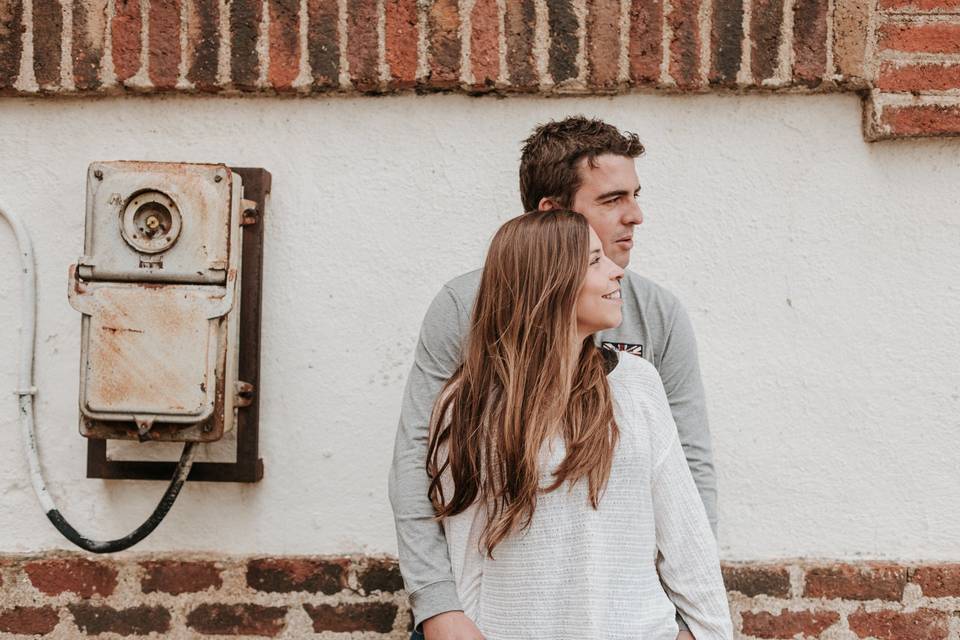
[[633, 214]]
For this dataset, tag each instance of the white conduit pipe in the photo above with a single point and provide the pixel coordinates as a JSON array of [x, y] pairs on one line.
[[25, 393]]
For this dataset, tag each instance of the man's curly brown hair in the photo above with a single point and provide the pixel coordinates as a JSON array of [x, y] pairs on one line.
[[548, 163]]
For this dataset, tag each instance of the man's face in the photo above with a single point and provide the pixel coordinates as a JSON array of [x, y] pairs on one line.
[[608, 199]]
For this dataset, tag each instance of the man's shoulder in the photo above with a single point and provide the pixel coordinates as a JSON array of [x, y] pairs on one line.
[[651, 298], [648, 290], [464, 287]]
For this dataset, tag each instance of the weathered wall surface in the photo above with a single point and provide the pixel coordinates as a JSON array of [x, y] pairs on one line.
[[902, 56], [820, 273]]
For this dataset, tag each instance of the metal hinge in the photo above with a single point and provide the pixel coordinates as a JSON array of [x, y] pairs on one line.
[[245, 393], [249, 213]]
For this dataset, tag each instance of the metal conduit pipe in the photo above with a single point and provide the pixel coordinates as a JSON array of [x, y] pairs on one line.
[[25, 393]]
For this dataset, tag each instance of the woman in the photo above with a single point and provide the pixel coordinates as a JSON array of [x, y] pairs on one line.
[[555, 466]]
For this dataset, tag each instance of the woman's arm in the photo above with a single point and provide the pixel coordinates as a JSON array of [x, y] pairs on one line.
[[688, 560]]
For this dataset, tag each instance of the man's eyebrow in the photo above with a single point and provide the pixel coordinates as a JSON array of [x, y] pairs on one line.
[[610, 194]]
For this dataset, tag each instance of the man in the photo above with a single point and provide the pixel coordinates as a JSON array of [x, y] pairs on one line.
[[588, 166]]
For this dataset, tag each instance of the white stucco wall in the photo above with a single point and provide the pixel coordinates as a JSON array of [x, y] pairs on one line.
[[821, 274]]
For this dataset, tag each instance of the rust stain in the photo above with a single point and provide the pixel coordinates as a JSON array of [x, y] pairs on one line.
[[115, 329]]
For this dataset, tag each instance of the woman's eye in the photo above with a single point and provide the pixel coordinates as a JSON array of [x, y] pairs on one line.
[[594, 261]]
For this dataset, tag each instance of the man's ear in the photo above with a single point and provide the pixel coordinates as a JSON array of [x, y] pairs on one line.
[[548, 204]]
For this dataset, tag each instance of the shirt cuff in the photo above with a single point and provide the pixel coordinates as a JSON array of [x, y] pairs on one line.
[[434, 599]]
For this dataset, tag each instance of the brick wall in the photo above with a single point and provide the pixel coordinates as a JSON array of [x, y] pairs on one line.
[[67, 596], [903, 54]]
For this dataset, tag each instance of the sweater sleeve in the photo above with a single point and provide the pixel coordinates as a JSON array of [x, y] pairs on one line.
[[424, 558], [688, 560], [679, 370]]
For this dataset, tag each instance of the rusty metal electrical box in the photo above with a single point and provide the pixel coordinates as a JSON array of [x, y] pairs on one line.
[[159, 286]]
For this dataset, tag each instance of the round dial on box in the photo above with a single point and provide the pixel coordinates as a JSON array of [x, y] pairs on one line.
[[150, 222]]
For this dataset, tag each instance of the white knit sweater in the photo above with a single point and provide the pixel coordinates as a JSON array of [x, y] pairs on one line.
[[577, 572]]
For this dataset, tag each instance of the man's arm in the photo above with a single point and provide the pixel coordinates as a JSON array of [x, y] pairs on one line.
[[424, 559], [680, 372]]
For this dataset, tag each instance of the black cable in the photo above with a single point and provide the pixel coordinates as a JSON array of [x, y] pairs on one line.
[[145, 529]]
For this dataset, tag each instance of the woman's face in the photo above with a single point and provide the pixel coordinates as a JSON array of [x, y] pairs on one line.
[[598, 303]]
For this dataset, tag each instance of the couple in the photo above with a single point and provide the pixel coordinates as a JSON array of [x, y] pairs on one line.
[[553, 435]]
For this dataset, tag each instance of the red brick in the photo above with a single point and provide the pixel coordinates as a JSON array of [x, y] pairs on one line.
[[603, 44], [125, 38], [286, 575], [920, 5], [787, 624], [920, 38], [47, 35], [203, 43], [237, 619], [380, 575], [766, 23], [164, 43], [922, 120], [809, 42], [29, 620], [284, 43], [757, 580], [180, 577], [726, 35], [245, 17], [141, 620], [918, 77], [685, 43], [924, 624], [646, 31], [485, 44], [939, 581], [89, 31], [79, 575], [869, 582], [368, 616], [362, 50], [564, 43], [11, 28], [401, 42], [323, 42], [443, 24], [519, 21]]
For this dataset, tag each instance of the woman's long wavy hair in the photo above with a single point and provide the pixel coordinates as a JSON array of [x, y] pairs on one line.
[[523, 380]]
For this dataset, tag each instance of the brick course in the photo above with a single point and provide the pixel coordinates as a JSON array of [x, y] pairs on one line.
[[787, 624], [883, 50], [73, 596], [75, 575], [869, 582], [176, 577]]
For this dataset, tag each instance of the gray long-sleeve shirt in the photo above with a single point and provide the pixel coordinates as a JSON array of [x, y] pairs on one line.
[[655, 326]]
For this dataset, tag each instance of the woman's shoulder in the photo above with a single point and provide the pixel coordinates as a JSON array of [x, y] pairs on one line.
[[637, 389], [632, 369]]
